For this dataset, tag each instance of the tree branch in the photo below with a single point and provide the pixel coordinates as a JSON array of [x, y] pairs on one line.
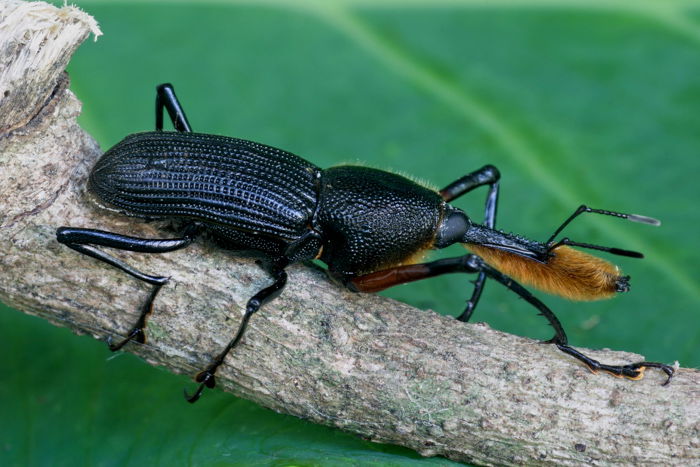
[[362, 363]]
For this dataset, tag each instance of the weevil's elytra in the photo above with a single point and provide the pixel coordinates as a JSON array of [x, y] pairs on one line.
[[369, 226], [222, 181]]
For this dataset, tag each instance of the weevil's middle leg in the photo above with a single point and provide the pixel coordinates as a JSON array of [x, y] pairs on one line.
[[207, 377], [487, 175]]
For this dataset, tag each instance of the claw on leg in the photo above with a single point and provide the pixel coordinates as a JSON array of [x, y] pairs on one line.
[[207, 380], [136, 333], [633, 371]]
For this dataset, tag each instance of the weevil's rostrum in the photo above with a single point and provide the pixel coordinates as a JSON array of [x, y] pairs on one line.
[[372, 228]]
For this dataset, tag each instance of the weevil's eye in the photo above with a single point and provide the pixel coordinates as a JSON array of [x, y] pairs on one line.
[[452, 228]]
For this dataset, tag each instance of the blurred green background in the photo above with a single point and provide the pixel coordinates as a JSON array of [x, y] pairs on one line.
[[575, 102]]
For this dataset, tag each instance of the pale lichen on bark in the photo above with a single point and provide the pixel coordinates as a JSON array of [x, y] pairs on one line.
[[362, 363]]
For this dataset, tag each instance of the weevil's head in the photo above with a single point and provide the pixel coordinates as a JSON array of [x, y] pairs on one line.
[[452, 228], [559, 270], [456, 227]]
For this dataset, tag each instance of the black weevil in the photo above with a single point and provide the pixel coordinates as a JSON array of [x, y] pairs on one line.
[[369, 226]]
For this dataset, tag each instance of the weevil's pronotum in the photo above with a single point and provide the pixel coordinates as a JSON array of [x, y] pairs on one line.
[[369, 226]]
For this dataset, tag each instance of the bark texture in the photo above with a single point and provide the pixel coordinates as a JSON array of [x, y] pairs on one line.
[[362, 363]]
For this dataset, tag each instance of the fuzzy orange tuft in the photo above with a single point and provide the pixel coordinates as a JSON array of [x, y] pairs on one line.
[[568, 273]]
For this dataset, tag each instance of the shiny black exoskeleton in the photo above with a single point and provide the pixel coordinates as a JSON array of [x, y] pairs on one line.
[[369, 226]]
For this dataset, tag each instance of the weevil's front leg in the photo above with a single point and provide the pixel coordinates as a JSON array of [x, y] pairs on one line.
[[381, 280], [487, 175], [632, 371], [207, 377], [86, 241]]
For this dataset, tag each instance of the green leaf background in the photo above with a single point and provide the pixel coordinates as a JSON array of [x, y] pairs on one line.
[[576, 102]]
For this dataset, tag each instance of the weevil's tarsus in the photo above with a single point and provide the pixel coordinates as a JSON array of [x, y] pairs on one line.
[[633, 371], [138, 331]]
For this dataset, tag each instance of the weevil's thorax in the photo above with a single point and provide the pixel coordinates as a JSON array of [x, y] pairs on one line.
[[372, 219]]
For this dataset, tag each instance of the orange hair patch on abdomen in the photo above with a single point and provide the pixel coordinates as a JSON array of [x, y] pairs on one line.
[[568, 273]]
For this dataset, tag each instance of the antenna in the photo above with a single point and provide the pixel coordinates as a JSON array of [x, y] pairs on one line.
[[616, 251]]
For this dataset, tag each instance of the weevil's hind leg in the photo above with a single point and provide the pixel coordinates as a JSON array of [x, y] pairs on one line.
[[381, 280], [207, 378], [487, 175], [166, 98], [137, 332], [85, 241]]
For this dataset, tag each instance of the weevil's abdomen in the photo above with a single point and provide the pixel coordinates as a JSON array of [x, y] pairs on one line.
[[372, 219], [216, 180]]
